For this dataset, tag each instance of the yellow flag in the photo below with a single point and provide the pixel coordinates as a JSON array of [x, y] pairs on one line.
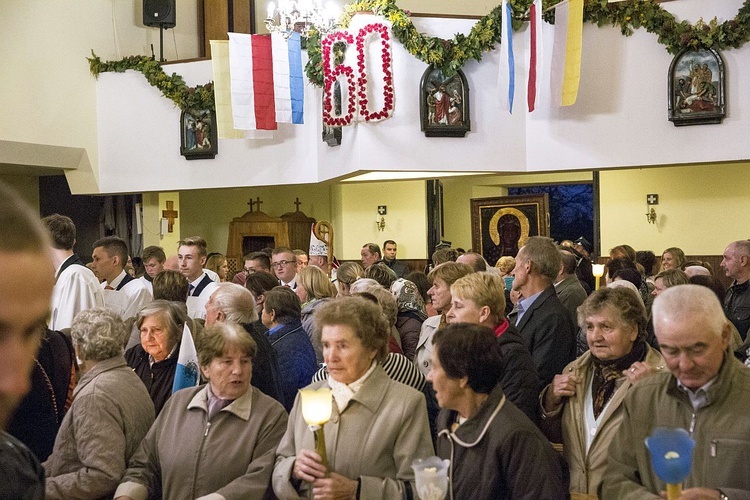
[[222, 91]]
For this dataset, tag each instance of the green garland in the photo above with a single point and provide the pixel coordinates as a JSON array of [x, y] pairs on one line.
[[451, 55], [173, 87]]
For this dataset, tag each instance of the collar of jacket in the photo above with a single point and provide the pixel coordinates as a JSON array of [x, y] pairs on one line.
[[471, 432], [240, 407], [99, 368], [719, 390], [372, 392]]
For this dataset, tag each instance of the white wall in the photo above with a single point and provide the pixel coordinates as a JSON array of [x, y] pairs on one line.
[[619, 120]]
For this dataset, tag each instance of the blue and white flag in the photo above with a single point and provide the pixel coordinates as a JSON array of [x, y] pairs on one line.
[[187, 373], [507, 74], [288, 83]]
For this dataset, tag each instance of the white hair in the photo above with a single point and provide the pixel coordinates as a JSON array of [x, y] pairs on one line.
[[690, 301], [364, 285], [625, 284]]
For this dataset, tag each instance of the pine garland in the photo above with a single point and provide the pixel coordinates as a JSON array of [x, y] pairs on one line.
[[451, 55], [173, 87]]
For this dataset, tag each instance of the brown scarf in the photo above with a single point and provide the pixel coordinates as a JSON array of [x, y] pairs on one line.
[[606, 374]]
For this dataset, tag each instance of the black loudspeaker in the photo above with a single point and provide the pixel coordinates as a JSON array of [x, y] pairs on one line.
[[158, 13]]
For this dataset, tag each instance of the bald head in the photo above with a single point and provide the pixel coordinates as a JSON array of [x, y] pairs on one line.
[[736, 261], [476, 261]]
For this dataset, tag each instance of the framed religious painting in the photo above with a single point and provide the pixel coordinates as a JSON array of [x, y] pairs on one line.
[[696, 88], [502, 225], [198, 134], [444, 104]]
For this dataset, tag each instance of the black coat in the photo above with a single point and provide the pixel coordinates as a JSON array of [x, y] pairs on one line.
[[21, 475], [549, 334], [519, 381], [38, 417], [499, 454], [158, 378]]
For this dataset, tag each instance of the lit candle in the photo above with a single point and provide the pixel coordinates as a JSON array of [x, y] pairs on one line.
[[598, 271], [317, 406]]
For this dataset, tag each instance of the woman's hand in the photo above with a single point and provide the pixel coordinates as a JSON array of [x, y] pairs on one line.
[[308, 466], [334, 487], [639, 370], [562, 386]]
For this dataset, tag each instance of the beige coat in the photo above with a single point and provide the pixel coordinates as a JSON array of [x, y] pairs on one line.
[[376, 438], [586, 470]]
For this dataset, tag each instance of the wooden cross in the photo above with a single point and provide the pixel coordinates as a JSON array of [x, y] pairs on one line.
[[170, 214], [297, 203], [253, 203]]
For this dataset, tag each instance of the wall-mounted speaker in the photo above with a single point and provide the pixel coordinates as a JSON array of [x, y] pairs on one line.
[[158, 13]]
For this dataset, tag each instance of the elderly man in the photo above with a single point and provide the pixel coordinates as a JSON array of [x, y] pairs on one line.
[[370, 254], [706, 394], [476, 261], [567, 285], [736, 265], [544, 323], [28, 276]]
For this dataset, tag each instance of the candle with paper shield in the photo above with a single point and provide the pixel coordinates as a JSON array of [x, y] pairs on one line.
[[671, 457], [317, 406], [598, 271]]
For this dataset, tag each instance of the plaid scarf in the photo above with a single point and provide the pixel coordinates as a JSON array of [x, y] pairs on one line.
[[606, 374]]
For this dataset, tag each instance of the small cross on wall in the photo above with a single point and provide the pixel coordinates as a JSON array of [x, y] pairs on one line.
[[170, 214], [297, 203], [652, 199]]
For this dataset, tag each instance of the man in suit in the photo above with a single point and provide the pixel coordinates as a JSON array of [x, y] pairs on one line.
[[191, 255], [540, 317], [569, 289], [122, 292], [76, 287], [389, 258]]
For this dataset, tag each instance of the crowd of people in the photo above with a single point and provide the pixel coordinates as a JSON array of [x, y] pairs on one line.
[[532, 382]]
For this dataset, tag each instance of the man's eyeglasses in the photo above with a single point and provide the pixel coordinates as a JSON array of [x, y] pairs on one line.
[[283, 263]]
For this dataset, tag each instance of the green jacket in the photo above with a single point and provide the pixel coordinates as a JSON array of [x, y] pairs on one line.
[[721, 431]]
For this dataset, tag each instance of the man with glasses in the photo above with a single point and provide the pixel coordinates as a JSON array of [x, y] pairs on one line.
[[284, 264], [255, 262]]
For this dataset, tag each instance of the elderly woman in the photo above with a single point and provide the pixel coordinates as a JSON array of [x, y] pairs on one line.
[[231, 303], [281, 315], [673, 258], [155, 359], [213, 441], [411, 314], [378, 426], [442, 277], [314, 289], [259, 283], [110, 414], [346, 275], [582, 407], [478, 299], [494, 450]]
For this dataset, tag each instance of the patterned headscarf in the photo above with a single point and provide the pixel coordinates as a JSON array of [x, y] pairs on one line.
[[408, 298]]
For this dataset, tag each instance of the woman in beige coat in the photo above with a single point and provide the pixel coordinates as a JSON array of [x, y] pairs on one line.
[[582, 406], [377, 428]]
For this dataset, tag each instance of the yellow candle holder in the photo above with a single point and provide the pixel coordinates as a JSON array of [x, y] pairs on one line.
[[598, 272]]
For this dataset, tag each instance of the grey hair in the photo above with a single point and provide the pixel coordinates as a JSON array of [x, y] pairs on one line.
[[689, 301], [236, 302], [174, 314], [364, 285], [98, 334], [543, 254]]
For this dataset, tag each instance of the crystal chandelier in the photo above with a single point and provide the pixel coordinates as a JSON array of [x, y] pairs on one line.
[[300, 16]]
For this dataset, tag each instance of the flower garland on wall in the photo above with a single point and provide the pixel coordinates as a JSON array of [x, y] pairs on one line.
[[336, 71], [451, 55], [364, 92], [173, 87]]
